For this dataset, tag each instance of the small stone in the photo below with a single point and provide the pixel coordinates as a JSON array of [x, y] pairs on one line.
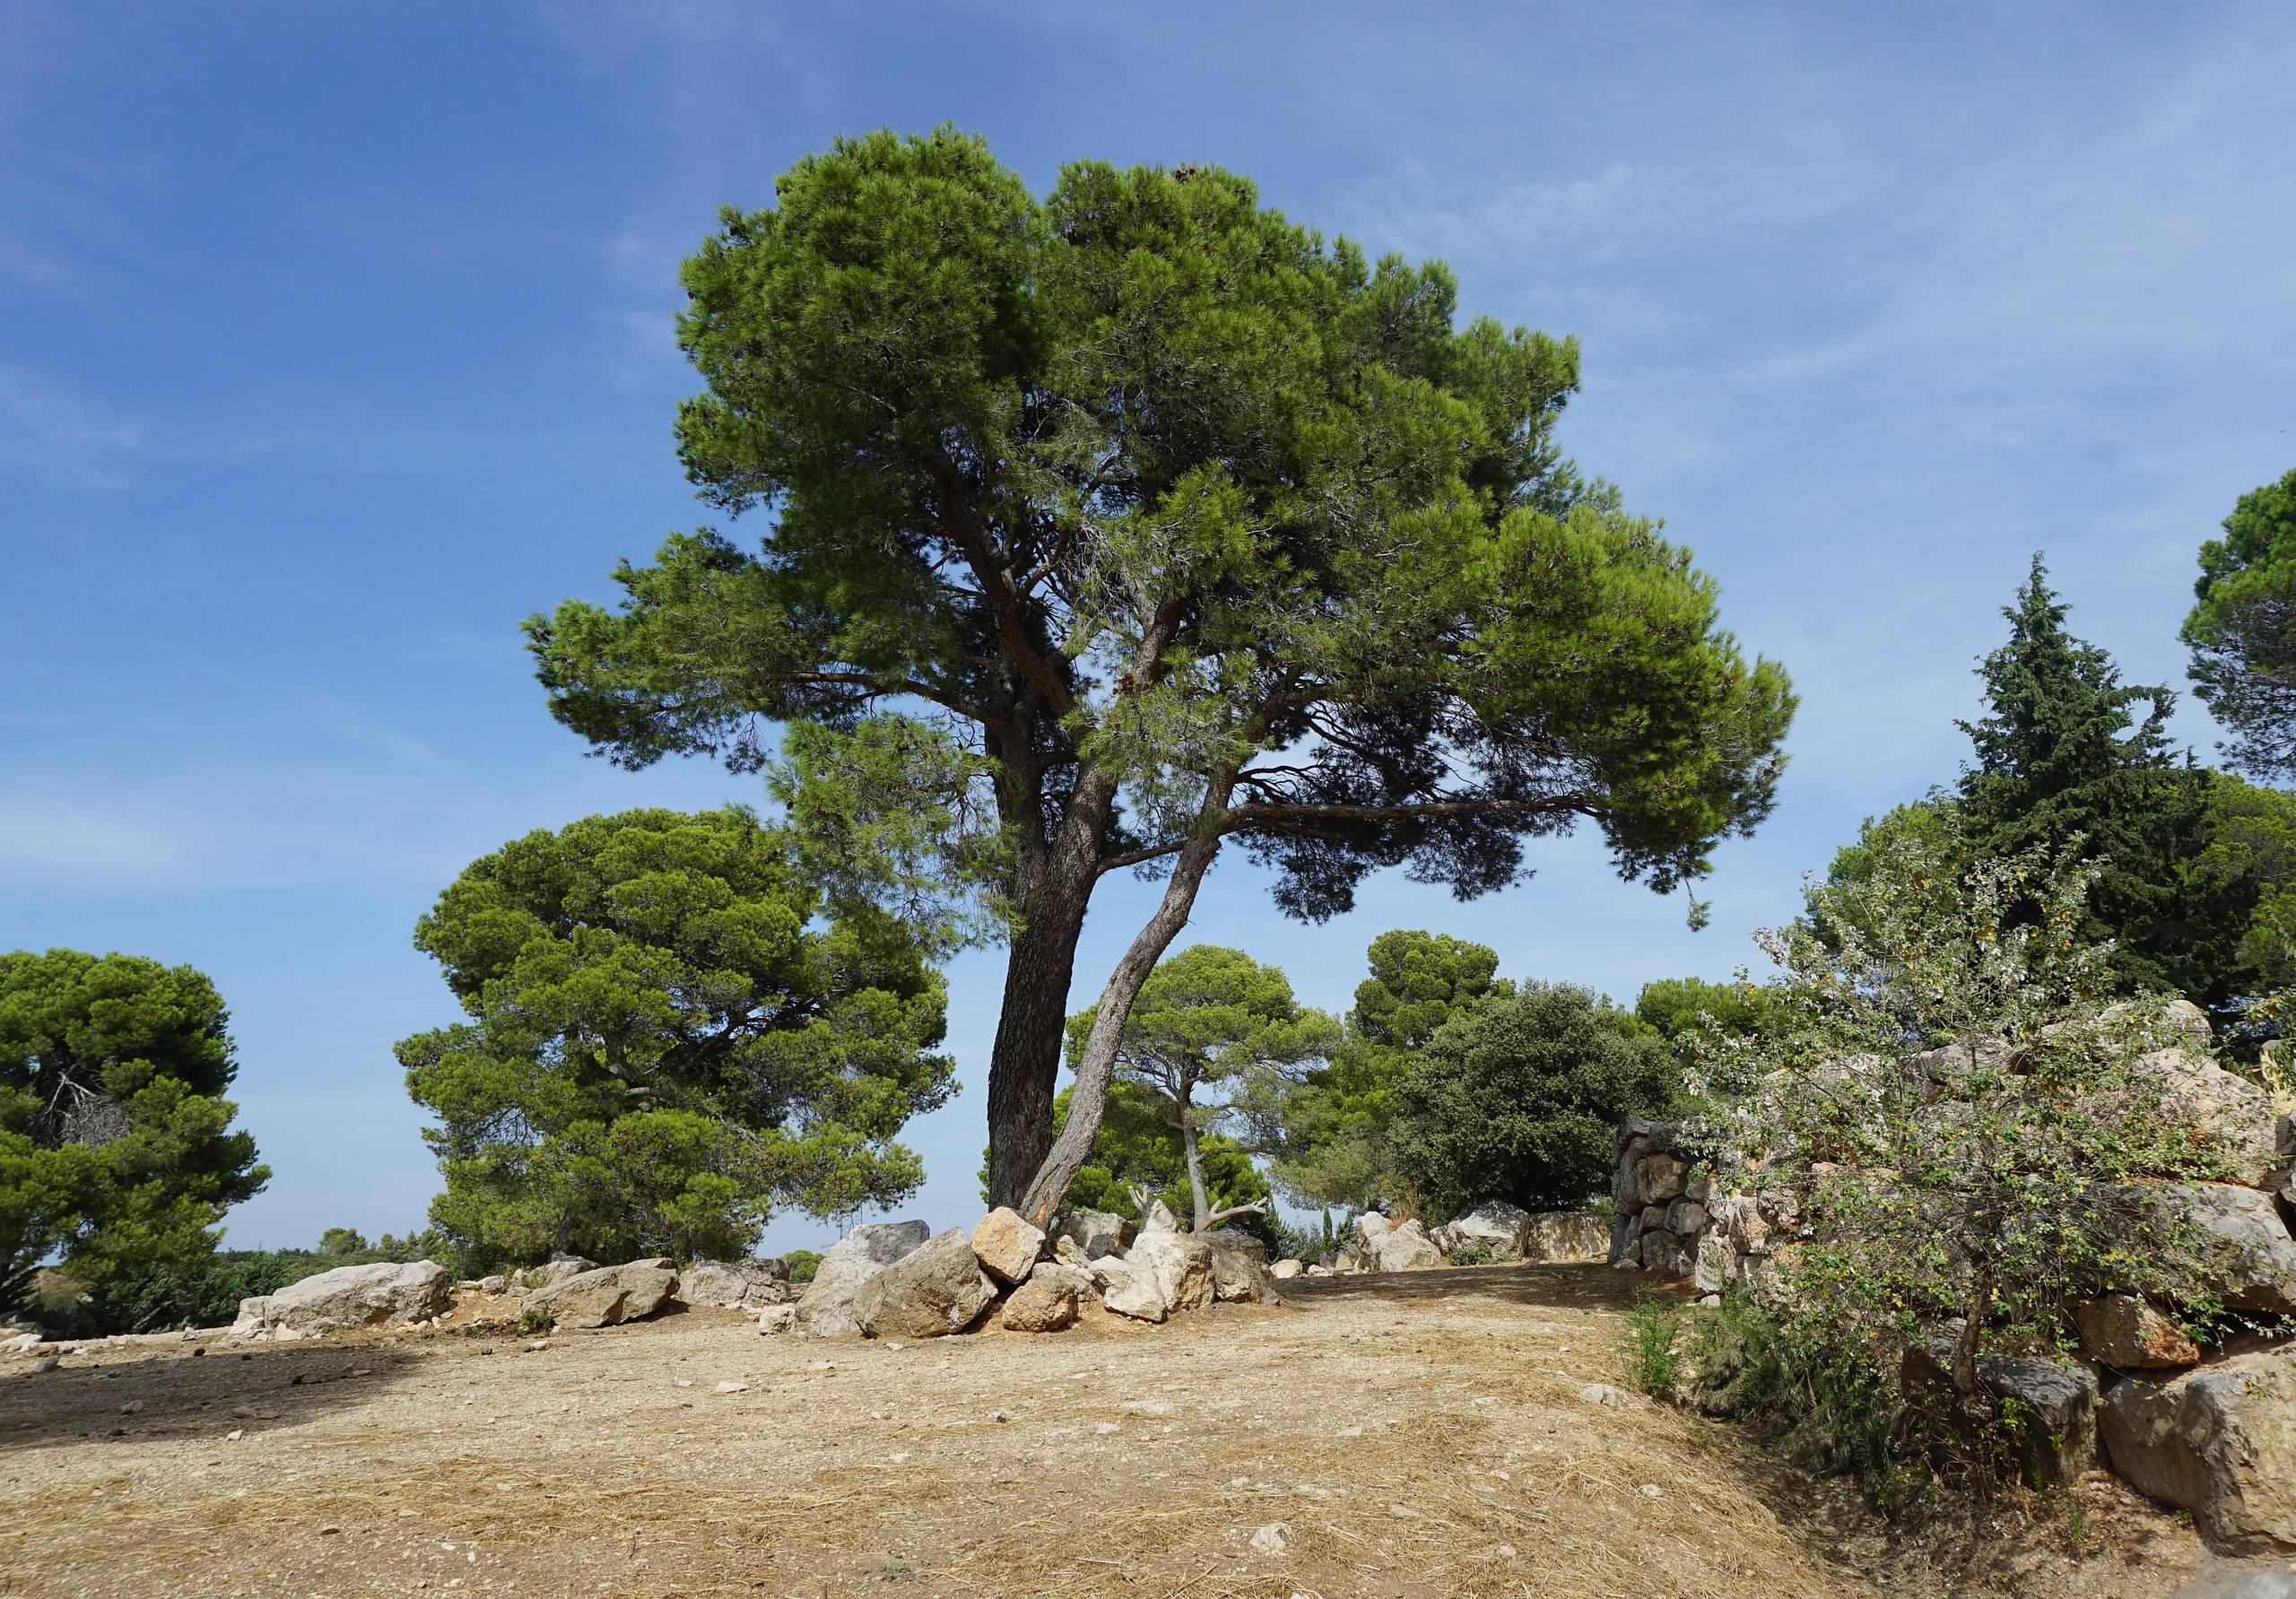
[[683, 1382], [1505, 1552], [330, 1530], [902, 1458], [1148, 1407], [47, 1363], [1651, 1491], [1105, 1428], [1601, 1394], [131, 1407], [537, 1346], [731, 1387], [235, 1435], [1273, 1538]]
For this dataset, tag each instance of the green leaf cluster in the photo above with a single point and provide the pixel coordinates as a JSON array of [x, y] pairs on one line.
[[1330, 1134], [116, 1142], [670, 1033], [2242, 628], [1517, 1098]]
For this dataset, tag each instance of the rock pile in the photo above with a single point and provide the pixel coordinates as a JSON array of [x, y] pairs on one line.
[[2212, 1432], [891, 1281], [1492, 1232]]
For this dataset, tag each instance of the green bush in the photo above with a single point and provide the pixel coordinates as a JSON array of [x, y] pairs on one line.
[[1653, 1329], [802, 1264], [1517, 1100]]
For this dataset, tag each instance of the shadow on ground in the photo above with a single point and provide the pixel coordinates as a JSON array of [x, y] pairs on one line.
[[187, 1395], [1579, 1285]]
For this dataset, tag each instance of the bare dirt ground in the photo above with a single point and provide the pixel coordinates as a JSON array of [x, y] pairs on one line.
[[1415, 1435]]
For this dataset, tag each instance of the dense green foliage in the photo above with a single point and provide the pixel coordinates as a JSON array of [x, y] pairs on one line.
[[2063, 752], [1968, 1131], [1209, 1021], [2242, 628], [116, 1145], [1172, 522], [666, 1040], [1678, 1008], [1330, 1134], [1516, 1100]]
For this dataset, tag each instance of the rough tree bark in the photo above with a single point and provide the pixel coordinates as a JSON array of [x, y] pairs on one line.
[[1097, 1065]]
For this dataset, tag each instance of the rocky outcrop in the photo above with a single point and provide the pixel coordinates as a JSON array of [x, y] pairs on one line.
[[1179, 1264], [1128, 1290], [2260, 1267], [2123, 1332], [1402, 1247], [608, 1295], [383, 1295], [2196, 1093], [1006, 1244], [933, 1289], [2219, 1442], [1239, 1267], [1502, 1229], [553, 1272], [1095, 1232], [1566, 1235], [1046, 1301], [735, 1284], [2049, 1410], [825, 1309]]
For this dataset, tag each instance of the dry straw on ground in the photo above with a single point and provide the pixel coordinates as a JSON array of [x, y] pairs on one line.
[[1417, 1435]]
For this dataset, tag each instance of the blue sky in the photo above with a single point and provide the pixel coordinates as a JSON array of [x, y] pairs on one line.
[[335, 340]]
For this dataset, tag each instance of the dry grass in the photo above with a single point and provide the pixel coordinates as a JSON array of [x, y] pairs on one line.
[[1418, 1436]]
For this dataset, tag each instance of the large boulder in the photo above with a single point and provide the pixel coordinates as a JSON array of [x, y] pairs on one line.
[[825, 1309], [1405, 1247], [2219, 1442], [1159, 1218], [1566, 1235], [1046, 1301], [2128, 1335], [1504, 1229], [2214, 1104], [1007, 1245], [1128, 1290], [2049, 1411], [557, 1269], [609, 1296], [1368, 1225], [1239, 1267], [735, 1284], [1180, 1263], [1284, 1270], [384, 1295], [2261, 1271], [1095, 1232], [935, 1289]]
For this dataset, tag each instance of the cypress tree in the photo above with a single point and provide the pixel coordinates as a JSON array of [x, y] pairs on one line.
[[2066, 748]]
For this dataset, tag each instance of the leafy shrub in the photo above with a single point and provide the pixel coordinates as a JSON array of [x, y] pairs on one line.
[[802, 1264], [1961, 1116], [1516, 1100], [1653, 1328], [1477, 1252]]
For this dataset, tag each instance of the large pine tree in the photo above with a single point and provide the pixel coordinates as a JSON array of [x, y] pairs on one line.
[[2066, 748]]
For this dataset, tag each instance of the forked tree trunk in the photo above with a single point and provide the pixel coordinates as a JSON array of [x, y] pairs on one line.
[[1089, 1097], [1025, 1063]]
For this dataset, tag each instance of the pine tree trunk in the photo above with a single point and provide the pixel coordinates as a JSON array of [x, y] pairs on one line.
[[1089, 1097], [1025, 1063], [1195, 1156]]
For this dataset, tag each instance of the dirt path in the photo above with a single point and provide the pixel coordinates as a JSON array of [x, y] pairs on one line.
[[1416, 1435]]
